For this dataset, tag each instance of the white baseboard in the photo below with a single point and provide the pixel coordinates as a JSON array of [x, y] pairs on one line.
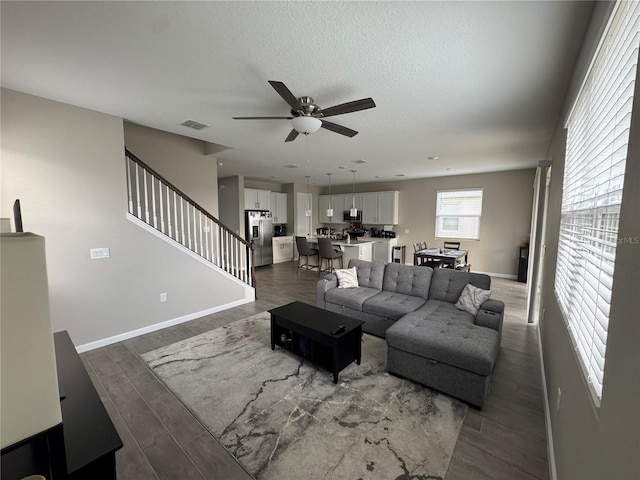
[[498, 275], [553, 475], [158, 326]]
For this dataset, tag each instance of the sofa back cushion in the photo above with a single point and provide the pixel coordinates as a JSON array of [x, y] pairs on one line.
[[369, 273], [407, 279], [447, 284]]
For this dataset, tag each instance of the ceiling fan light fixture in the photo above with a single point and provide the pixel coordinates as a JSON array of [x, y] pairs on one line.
[[306, 125]]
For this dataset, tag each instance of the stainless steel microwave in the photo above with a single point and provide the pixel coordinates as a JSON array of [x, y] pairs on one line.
[[348, 218]]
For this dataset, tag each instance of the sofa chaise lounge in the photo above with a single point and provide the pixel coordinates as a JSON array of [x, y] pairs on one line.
[[429, 340]]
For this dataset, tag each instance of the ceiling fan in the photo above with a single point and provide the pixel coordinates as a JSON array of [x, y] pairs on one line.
[[307, 117]]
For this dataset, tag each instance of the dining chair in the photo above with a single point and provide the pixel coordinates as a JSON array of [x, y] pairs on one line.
[[328, 253], [416, 248], [305, 251], [451, 245]]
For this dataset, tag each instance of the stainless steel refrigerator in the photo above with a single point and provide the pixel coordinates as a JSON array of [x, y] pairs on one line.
[[259, 229]]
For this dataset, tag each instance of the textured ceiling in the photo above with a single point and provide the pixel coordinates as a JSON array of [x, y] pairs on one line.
[[478, 84]]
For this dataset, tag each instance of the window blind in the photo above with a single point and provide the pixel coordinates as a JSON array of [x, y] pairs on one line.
[[458, 214], [596, 152]]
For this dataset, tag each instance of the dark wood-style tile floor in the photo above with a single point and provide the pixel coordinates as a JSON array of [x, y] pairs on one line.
[[163, 441]]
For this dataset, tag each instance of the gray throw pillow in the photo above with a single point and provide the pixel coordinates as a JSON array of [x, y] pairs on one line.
[[471, 298]]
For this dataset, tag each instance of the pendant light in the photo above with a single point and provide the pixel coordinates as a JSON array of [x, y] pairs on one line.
[[354, 211], [307, 212], [329, 210]]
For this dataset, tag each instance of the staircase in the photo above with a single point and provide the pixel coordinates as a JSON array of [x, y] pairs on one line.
[[159, 204]]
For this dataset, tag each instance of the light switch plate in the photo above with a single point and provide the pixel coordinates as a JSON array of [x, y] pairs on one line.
[[97, 253]]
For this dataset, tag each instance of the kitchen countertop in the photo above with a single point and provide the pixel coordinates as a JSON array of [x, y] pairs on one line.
[[352, 243]]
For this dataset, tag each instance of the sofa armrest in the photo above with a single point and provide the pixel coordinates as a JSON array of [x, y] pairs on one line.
[[328, 282], [493, 305], [490, 315]]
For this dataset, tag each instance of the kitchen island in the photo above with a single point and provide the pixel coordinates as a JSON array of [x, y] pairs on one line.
[[356, 249]]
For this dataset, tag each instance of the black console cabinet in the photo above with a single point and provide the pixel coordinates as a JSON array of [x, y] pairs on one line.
[[523, 263], [84, 446], [90, 439]]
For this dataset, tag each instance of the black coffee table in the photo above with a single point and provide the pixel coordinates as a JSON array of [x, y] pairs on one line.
[[306, 330]]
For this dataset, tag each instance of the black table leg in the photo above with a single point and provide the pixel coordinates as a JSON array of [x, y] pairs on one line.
[[273, 332]]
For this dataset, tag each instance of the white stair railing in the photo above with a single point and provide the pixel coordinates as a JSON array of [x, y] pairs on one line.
[[159, 204]]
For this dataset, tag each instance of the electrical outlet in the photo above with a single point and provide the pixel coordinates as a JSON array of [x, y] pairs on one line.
[[406, 230], [558, 399], [163, 297]]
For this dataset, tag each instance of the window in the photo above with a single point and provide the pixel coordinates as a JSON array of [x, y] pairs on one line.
[[458, 214], [596, 152]]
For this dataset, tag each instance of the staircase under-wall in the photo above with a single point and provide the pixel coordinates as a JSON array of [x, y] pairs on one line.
[[159, 204]]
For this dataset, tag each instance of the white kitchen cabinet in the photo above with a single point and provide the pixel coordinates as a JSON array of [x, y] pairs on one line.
[[278, 203], [370, 208], [380, 208], [349, 200], [282, 249], [255, 199], [383, 249], [337, 204]]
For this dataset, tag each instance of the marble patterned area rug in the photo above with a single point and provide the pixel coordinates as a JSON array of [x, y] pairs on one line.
[[284, 418]]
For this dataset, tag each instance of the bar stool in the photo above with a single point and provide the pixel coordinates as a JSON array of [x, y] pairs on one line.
[[329, 254], [305, 251]]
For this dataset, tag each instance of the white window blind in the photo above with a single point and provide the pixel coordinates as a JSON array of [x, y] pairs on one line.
[[458, 214], [596, 152]]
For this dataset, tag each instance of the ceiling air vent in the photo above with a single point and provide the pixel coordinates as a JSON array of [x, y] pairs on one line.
[[193, 124], [291, 165]]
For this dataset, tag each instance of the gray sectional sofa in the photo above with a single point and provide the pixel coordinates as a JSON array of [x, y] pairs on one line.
[[429, 340]]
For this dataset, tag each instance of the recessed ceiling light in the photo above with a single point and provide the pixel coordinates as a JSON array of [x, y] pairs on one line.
[[433, 157], [291, 165], [360, 160]]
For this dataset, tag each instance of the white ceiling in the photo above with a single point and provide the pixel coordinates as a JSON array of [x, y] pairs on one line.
[[478, 84]]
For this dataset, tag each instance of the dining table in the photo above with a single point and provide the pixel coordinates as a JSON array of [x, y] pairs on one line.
[[441, 254]]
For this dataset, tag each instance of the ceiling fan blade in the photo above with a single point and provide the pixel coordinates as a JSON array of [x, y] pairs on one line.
[[292, 136], [348, 107], [334, 127], [286, 94], [262, 118]]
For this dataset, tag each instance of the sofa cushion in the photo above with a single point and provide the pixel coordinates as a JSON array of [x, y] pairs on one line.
[[369, 273], [407, 279], [469, 347], [391, 304], [443, 312], [447, 284], [350, 297]]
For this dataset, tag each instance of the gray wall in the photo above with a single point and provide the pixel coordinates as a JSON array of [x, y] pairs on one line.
[[506, 214], [596, 443], [231, 203], [181, 160], [67, 166]]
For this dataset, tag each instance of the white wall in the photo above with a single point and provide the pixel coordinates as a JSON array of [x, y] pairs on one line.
[[66, 164]]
